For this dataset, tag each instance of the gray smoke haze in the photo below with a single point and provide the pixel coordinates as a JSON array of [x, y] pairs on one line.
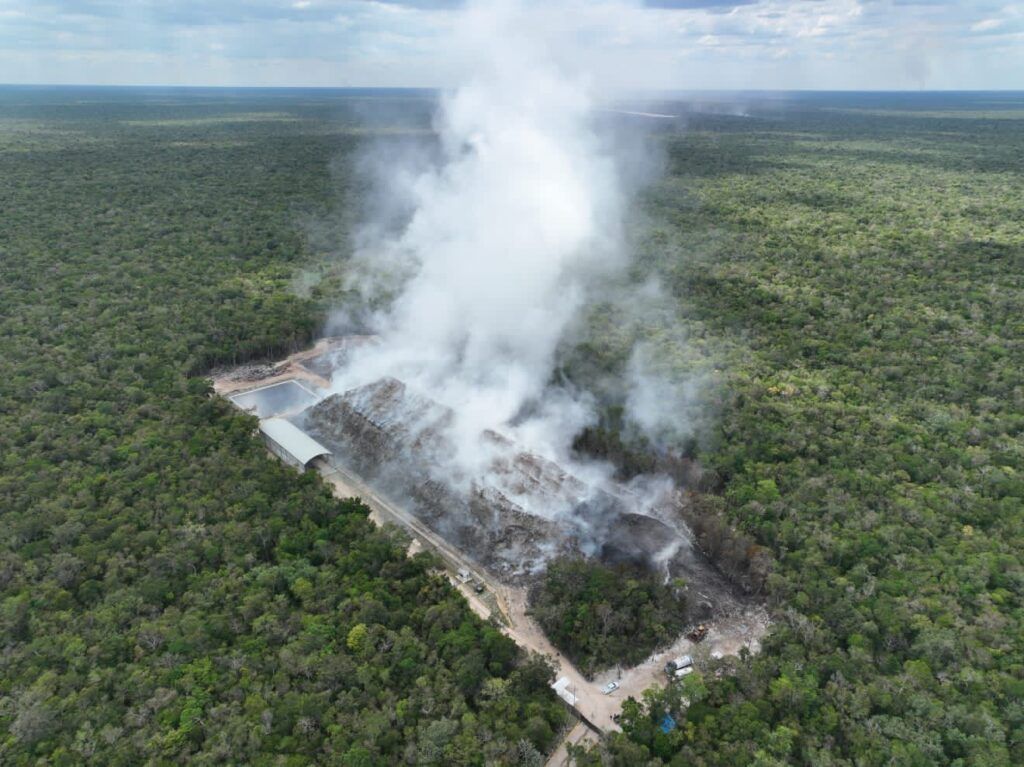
[[511, 225]]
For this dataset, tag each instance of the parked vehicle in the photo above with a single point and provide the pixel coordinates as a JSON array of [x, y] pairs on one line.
[[683, 661], [698, 634]]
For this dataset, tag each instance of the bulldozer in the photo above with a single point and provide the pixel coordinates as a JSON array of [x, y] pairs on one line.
[[698, 634]]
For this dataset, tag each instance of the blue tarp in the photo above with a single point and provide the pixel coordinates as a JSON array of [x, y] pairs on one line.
[[667, 724]]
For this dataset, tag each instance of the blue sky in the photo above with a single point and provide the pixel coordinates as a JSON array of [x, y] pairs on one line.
[[624, 44]]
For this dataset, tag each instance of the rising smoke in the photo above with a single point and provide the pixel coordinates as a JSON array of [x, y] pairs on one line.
[[512, 226]]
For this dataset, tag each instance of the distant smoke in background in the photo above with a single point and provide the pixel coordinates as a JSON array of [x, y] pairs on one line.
[[657, 405], [486, 247]]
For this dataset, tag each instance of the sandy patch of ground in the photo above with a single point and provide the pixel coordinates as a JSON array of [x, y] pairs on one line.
[[577, 736], [228, 381], [726, 636]]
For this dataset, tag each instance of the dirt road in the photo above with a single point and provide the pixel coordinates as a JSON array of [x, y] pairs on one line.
[[511, 602], [591, 702], [578, 735], [726, 636], [382, 510]]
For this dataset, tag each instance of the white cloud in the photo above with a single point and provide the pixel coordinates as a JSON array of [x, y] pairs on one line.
[[986, 25], [622, 44]]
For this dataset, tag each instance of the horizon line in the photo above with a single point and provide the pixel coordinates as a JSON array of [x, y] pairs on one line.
[[432, 88]]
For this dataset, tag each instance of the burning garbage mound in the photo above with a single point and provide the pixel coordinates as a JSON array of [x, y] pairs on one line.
[[516, 511], [397, 439]]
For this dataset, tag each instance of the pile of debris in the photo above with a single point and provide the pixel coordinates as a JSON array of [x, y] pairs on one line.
[[513, 513], [333, 354]]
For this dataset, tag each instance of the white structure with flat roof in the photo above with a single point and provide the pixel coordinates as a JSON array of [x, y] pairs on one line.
[[290, 443], [562, 689]]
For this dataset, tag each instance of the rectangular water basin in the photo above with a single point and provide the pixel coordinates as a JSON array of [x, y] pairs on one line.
[[284, 398]]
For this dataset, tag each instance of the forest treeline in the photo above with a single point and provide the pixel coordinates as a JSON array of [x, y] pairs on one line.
[[168, 593], [603, 615], [853, 278]]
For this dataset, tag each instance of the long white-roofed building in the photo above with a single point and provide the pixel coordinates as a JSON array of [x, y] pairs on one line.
[[289, 443]]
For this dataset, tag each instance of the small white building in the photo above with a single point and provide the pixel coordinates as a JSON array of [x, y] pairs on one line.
[[290, 443]]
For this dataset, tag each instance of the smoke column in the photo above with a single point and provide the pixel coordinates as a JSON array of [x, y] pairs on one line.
[[522, 213]]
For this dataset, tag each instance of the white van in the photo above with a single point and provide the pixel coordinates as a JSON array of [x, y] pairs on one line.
[[683, 661]]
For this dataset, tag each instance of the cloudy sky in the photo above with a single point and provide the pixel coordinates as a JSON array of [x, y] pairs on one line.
[[657, 44]]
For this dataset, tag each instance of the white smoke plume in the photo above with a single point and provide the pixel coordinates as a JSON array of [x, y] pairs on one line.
[[523, 212], [658, 405]]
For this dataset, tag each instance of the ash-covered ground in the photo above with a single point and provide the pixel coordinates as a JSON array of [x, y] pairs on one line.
[[514, 510]]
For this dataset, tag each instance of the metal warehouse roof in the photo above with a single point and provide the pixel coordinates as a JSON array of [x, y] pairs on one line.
[[290, 437]]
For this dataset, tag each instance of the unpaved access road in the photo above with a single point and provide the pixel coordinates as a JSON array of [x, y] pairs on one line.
[[347, 485], [510, 602], [578, 735], [725, 637]]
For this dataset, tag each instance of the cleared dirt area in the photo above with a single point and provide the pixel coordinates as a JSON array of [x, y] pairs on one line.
[[307, 365], [726, 636]]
